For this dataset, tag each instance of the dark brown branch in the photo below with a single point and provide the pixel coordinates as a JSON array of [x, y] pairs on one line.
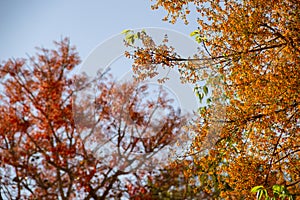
[[287, 155], [292, 184], [226, 56]]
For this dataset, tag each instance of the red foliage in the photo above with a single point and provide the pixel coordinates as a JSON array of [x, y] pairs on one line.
[[46, 130]]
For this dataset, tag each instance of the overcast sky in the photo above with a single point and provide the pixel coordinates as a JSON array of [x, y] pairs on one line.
[[27, 24]]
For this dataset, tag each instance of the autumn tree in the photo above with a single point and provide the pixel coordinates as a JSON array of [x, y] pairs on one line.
[[247, 134], [55, 132]]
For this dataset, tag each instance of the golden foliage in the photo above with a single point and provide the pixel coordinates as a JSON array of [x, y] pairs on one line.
[[252, 58]]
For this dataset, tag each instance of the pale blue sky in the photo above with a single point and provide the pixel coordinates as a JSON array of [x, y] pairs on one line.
[[27, 24]]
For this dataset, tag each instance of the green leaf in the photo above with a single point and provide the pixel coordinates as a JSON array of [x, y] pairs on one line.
[[200, 96], [205, 89], [194, 33], [132, 40], [266, 193], [202, 110], [126, 31], [259, 194], [143, 31], [138, 35], [277, 189], [291, 197], [257, 188], [198, 39], [129, 38], [208, 101]]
